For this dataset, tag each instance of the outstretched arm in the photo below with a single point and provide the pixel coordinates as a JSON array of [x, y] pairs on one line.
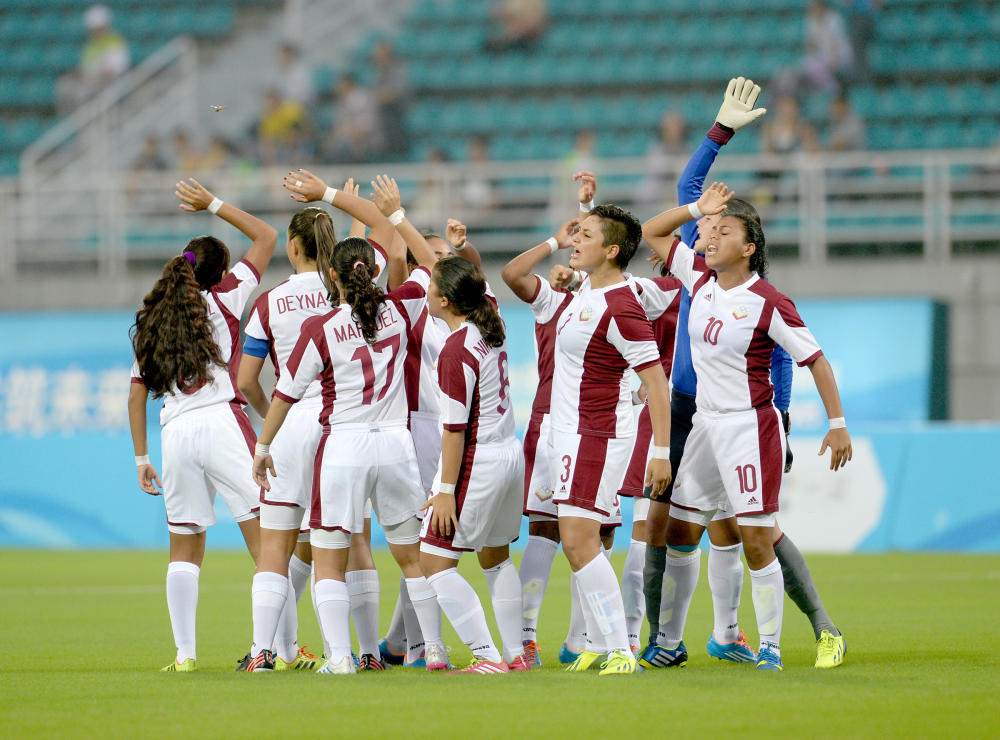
[[457, 236], [517, 273], [307, 188], [385, 194], [659, 230]]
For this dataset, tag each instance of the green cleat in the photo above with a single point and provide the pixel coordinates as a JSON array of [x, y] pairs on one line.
[[620, 661], [186, 667], [583, 662], [304, 661], [830, 650]]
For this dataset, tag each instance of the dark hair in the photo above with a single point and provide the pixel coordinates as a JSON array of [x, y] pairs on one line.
[[464, 286], [622, 228], [303, 228], [172, 336], [753, 232], [211, 260], [411, 261], [353, 260]]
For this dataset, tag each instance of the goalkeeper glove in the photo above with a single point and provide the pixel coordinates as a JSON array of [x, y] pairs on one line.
[[737, 109]]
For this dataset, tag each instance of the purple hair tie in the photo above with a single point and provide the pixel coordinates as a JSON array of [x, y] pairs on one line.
[[190, 257]]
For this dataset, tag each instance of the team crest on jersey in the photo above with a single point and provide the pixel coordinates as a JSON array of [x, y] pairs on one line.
[[586, 313], [544, 494], [741, 312]]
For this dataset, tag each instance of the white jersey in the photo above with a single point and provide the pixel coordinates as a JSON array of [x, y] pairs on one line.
[[475, 390], [661, 299], [425, 343], [226, 301], [601, 334], [733, 333], [361, 383], [547, 306]]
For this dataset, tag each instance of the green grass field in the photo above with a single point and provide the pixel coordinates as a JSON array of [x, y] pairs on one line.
[[84, 636]]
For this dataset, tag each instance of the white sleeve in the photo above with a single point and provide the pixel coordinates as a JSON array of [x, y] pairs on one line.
[[655, 298], [457, 381], [789, 331], [630, 333], [255, 327], [235, 289], [546, 302], [686, 265], [411, 296]]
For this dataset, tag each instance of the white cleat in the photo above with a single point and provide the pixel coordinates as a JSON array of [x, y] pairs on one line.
[[343, 666]]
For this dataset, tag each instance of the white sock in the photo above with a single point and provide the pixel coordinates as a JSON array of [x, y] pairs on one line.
[[395, 637], [286, 645], [576, 636], [316, 608], [362, 585], [725, 577], [603, 597], [635, 601], [536, 566], [505, 591], [333, 604], [459, 602], [592, 639], [182, 603], [268, 595], [298, 573], [414, 636], [768, 589], [679, 580], [424, 604]]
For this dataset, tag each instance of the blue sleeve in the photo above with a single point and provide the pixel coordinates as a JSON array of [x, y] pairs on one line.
[[781, 377], [692, 182], [256, 347]]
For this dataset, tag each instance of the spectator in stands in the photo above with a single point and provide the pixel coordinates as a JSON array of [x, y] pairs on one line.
[[847, 130], [150, 158], [186, 157], [392, 93], [862, 24], [294, 78], [665, 158], [357, 129], [828, 53], [520, 24], [281, 132], [105, 57], [786, 133], [477, 190]]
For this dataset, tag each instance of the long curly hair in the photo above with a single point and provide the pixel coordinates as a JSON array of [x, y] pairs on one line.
[[353, 260], [463, 285], [172, 336]]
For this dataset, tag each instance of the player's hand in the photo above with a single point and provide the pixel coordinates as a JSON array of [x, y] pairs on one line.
[[385, 194], [455, 232], [147, 477], [738, 104], [560, 276], [261, 466], [444, 519], [642, 393], [839, 442], [193, 195], [566, 232], [587, 185], [786, 422], [658, 475], [714, 199], [304, 186]]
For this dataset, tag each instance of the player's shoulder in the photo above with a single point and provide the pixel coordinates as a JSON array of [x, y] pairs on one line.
[[456, 344], [314, 325], [623, 298], [767, 292]]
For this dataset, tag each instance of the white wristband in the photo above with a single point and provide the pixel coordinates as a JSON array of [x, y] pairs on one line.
[[215, 205], [661, 453], [587, 207], [328, 195], [553, 245], [397, 216], [461, 246], [141, 460], [262, 450], [446, 488], [838, 423], [694, 210]]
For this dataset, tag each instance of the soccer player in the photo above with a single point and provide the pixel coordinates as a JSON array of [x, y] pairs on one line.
[[735, 453], [186, 342], [602, 333], [272, 331], [365, 451], [475, 503]]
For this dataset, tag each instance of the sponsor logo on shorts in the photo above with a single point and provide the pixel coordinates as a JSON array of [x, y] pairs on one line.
[[562, 488], [544, 494], [753, 500], [741, 312]]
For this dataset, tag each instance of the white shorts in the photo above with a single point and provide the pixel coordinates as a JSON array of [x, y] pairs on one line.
[[732, 462], [588, 471], [358, 463], [487, 498], [537, 473], [208, 451], [294, 453], [426, 430]]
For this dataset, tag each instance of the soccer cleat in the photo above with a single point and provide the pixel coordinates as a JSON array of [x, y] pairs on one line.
[[263, 661], [436, 658], [369, 662], [186, 666], [583, 662], [768, 660], [342, 667], [655, 656], [830, 650], [619, 661], [389, 657], [483, 666], [567, 656], [738, 651], [520, 663], [419, 662], [531, 653], [304, 661]]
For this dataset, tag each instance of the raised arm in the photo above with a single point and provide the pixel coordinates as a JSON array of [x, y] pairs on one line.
[[456, 234], [659, 230], [517, 273], [586, 191], [307, 188], [358, 228], [385, 195], [195, 197]]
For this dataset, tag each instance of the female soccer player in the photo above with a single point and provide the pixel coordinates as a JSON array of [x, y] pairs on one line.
[[475, 502], [186, 342], [736, 445], [365, 452]]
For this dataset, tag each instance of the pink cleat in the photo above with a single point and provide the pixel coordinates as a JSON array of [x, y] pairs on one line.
[[481, 665], [520, 663]]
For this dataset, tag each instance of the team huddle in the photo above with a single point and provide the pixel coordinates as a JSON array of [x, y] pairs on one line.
[[397, 402]]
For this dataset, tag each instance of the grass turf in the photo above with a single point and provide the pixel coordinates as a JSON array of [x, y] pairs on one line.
[[84, 635]]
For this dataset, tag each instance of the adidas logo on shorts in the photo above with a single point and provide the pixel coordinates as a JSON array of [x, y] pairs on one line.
[[753, 500]]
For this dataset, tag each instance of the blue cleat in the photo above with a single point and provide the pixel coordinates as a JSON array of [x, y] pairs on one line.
[[655, 656], [567, 656], [737, 652], [389, 657], [420, 662], [768, 660]]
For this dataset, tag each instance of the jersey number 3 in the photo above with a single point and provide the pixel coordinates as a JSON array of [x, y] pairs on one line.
[[363, 355]]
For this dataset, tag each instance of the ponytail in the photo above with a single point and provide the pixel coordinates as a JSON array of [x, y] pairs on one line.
[[172, 336], [353, 260], [464, 286], [485, 318]]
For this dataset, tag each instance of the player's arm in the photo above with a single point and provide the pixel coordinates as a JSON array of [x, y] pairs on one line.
[[659, 230], [195, 197], [586, 191], [658, 474], [307, 188], [137, 395], [518, 272], [444, 517], [457, 236], [385, 194], [262, 460], [248, 381], [837, 439]]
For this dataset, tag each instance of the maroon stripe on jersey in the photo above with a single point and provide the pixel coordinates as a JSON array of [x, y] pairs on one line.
[[665, 326], [530, 448], [235, 351], [538, 289], [378, 248], [264, 500], [264, 314], [588, 470], [252, 267], [772, 456], [788, 312], [635, 476], [315, 509], [811, 358], [545, 341], [183, 524], [283, 397], [461, 490], [603, 367], [652, 363], [758, 354], [243, 421], [411, 365], [137, 380]]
